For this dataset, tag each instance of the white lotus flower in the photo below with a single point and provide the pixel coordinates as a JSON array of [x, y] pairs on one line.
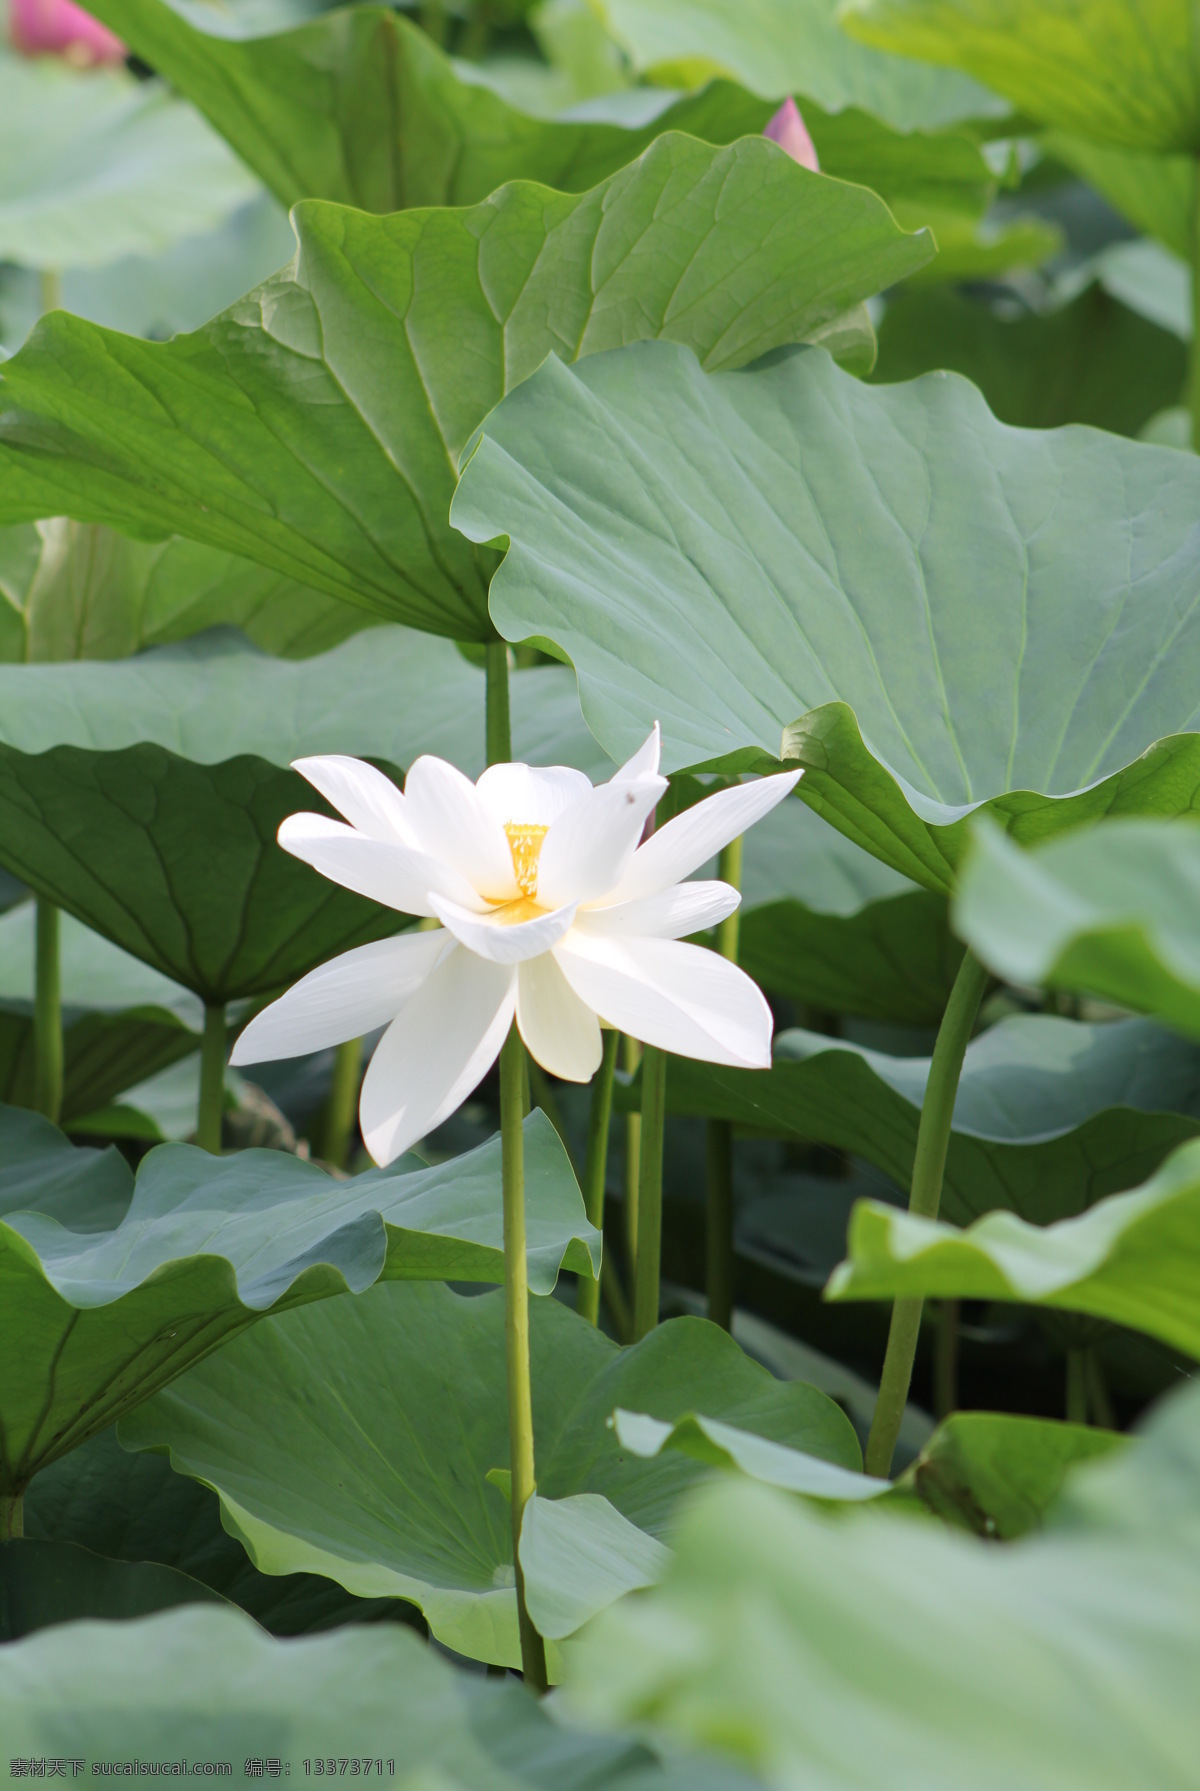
[[550, 911]]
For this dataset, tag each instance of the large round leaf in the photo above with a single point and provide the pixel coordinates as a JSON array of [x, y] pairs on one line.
[[80, 591], [209, 1686], [356, 1441], [825, 923], [316, 426], [42, 1583], [776, 46], [1133, 1259], [363, 108], [1124, 71], [133, 1508], [1093, 361], [1051, 1114], [959, 614], [144, 797], [895, 1653], [111, 1288], [1112, 910], [96, 166]]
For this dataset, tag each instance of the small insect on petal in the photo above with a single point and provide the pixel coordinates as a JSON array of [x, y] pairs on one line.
[[789, 130]]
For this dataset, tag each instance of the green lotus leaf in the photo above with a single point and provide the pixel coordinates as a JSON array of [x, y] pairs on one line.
[[1121, 71], [42, 1583], [133, 1508], [96, 166], [144, 797], [316, 426], [962, 615], [362, 108], [720, 1445], [781, 46], [1094, 361], [1152, 191], [1111, 910], [113, 1286], [578, 1556], [1000, 1475], [1131, 1259], [902, 1653], [205, 1684], [80, 591], [380, 1480], [988, 1472], [1051, 1114], [825, 923]]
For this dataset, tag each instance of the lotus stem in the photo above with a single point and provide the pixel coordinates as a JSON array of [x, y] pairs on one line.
[[945, 1360], [12, 1516], [631, 1057], [1099, 1402], [341, 1104], [929, 1166], [212, 1079], [649, 1229], [498, 724], [719, 1142], [1194, 352], [595, 1166], [516, 1334], [47, 1012], [49, 290], [1077, 1386]]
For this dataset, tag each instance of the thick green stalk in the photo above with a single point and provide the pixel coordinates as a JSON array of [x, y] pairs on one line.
[[1194, 362], [12, 1516], [498, 725], [49, 290], [649, 1232], [929, 1164], [341, 1104], [631, 1057], [719, 1142], [595, 1166], [1077, 1387], [47, 1013], [516, 1333], [212, 1079]]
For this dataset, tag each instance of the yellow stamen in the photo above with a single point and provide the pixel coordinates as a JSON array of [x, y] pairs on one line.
[[525, 843]]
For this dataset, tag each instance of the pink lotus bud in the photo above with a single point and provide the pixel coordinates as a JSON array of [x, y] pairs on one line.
[[788, 129], [60, 28]]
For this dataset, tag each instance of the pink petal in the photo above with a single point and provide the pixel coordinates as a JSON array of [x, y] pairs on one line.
[[60, 28], [789, 130]]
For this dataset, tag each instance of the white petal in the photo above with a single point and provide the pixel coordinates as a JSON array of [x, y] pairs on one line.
[[644, 762], [690, 840], [561, 1032], [350, 995], [671, 914], [680, 997], [439, 1049], [531, 795], [395, 875], [488, 936], [588, 849], [453, 823], [369, 800]]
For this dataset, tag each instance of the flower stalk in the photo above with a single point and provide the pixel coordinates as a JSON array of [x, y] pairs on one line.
[[516, 1334], [341, 1104], [719, 1140], [1194, 361], [47, 1013], [595, 1165], [12, 1516], [929, 1166], [649, 1234], [212, 1079]]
